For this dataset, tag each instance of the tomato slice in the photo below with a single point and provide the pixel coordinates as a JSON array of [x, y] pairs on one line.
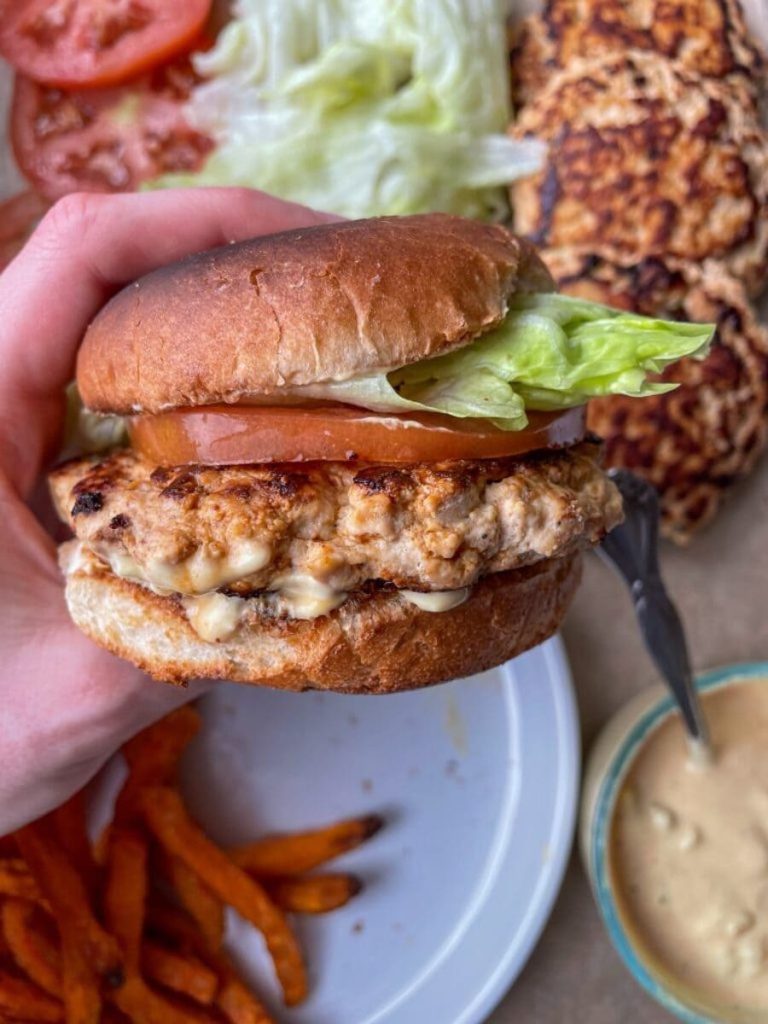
[[106, 140], [231, 435], [74, 43], [18, 217]]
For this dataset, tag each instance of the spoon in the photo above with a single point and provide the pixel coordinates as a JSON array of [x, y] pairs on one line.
[[632, 550]]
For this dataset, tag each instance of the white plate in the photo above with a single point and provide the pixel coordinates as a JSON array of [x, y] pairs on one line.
[[478, 782]]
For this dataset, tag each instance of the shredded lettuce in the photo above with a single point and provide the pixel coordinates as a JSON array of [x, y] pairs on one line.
[[362, 107], [551, 352]]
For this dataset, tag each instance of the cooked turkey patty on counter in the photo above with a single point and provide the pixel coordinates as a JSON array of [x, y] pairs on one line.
[[707, 36], [424, 527], [645, 157]]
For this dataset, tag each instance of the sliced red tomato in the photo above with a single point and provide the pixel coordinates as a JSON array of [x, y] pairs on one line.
[[75, 43], [18, 217], [232, 435], [106, 140]]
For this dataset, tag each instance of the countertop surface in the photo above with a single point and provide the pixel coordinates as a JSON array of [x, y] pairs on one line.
[[720, 583]]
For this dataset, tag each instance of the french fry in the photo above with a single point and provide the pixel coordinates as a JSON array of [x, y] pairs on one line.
[[100, 848], [7, 846], [181, 972], [296, 853], [153, 756], [5, 952], [154, 753], [238, 1004], [143, 1006], [63, 887], [69, 822], [112, 1015], [17, 880], [31, 947], [79, 983], [89, 953], [124, 906], [171, 924], [168, 820], [313, 894], [197, 899], [125, 892], [21, 1000]]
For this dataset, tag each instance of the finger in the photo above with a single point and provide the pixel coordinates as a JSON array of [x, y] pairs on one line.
[[84, 249], [67, 704]]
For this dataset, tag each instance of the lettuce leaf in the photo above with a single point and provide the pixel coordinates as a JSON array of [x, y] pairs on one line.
[[85, 432], [362, 107], [551, 352]]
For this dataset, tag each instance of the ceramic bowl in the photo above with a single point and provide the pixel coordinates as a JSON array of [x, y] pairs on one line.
[[607, 766]]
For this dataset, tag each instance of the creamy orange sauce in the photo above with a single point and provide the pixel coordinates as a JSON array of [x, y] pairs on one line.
[[689, 855]]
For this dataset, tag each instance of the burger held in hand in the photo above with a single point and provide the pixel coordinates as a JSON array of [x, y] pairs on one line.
[[357, 456]]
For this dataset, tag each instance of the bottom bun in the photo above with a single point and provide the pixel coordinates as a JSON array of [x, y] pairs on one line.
[[374, 643]]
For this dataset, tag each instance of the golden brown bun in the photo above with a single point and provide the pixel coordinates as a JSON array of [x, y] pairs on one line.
[[374, 643], [316, 304]]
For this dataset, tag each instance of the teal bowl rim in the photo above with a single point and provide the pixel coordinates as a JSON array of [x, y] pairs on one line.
[[601, 823]]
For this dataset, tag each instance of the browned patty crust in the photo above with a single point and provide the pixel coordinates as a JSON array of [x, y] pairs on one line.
[[694, 443], [425, 526], [648, 158], [709, 37]]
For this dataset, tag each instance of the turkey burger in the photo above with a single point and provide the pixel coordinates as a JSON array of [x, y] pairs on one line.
[[357, 456]]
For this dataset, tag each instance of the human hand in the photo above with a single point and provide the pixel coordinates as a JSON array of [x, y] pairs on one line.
[[65, 704]]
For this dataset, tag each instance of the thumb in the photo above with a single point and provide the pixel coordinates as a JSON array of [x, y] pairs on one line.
[[84, 249]]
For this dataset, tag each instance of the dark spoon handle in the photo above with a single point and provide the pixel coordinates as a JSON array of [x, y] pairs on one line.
[[632, 549]]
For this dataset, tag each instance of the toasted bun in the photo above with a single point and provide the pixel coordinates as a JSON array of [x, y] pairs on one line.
[[374, 643], [303, 307]]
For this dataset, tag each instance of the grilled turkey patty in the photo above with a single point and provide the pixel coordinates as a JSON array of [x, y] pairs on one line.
[[647, 158], [423, 527], [709, 37]]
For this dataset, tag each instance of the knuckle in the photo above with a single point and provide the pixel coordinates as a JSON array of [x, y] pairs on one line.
[[70, 217]]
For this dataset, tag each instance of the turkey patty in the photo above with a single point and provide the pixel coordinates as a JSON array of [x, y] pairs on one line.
[[425, 527]]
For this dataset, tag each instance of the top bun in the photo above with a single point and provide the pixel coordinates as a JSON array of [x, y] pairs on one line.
[[302, 307]]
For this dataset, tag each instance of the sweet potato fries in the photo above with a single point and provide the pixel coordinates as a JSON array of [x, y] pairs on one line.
[[131, 928]]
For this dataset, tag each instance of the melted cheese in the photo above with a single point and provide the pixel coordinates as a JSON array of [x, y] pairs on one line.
[[437, 600], [305, 597], [79, 558], [214, 617], [201, 573], [124, 566]]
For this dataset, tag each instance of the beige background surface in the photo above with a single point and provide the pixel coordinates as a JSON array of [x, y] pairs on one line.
[[720, 583]]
